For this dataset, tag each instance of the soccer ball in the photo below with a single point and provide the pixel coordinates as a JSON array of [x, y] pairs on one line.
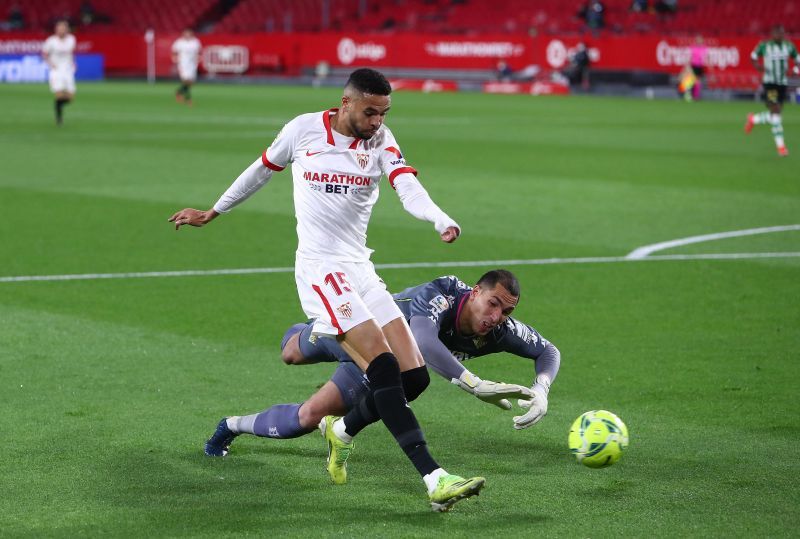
[[598, 438]]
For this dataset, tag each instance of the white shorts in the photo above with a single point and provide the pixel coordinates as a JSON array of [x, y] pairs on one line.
[[62, 80], [187, 72], [341, 295]]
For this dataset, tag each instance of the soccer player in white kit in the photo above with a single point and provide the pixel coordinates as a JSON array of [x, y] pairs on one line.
[[186, 56], [338, 157], [58, 51]]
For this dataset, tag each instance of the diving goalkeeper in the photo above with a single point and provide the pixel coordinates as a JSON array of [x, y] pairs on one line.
[[451, 322]]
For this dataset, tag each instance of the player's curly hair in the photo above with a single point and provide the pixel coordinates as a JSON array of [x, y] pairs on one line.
[[492, 278], [369, 81]]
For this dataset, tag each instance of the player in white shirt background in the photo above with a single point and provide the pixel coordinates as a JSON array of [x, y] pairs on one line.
[[338, 157], [186, 57], [59, 53]]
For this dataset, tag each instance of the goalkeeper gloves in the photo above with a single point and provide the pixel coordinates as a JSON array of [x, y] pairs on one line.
[[496, 393], [537, 406]]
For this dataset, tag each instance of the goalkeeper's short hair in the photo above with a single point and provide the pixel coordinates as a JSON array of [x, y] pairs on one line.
[[492, 278]]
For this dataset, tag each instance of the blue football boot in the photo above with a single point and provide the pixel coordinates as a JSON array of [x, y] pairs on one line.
[[220, 441]]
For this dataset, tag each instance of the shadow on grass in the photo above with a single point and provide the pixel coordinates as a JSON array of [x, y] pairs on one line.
[[285, 492]]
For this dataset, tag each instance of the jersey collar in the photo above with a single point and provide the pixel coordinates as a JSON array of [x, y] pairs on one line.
[[326, 121], [458, 313]]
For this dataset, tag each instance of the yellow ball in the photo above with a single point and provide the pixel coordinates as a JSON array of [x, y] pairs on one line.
[[598, 438]]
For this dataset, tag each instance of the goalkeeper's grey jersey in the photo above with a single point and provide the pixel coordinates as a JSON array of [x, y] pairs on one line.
[[433, 311], [775, 55], [441, 301]]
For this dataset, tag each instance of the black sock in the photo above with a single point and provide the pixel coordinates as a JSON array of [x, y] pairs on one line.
[[390, 401], [187, 92], [60, 102], [365, 413], [181, 90]]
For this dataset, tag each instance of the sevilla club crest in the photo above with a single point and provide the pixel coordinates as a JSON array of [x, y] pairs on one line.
[[363, 159], [345, 310]]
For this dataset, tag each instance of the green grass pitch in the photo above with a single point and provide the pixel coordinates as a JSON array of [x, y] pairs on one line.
[[109, 387]]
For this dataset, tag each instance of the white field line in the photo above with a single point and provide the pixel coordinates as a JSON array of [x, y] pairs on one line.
[[408, 265], [647, 250]]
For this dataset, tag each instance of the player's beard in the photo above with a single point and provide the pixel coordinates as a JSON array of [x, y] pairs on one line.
[[361, 134]]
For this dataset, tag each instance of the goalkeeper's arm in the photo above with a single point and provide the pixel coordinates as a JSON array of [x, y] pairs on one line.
[[547, 365], [441, 361]]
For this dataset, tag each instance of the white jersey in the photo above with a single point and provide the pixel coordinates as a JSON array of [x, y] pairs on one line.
[[188, 52], [59, 52], [336, 181]]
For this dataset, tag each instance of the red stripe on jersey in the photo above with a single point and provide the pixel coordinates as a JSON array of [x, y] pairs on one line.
[[270, 164], [401, 170], [328, 308], [326, 120], [354, 144], [395, 151]]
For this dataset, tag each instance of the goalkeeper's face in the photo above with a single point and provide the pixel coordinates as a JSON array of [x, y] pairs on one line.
[[489, 307]]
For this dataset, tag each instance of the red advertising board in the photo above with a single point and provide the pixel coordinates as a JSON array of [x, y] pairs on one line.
[[291, 53], [647, 53]]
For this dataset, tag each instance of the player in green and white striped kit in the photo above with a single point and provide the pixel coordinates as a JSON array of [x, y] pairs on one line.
[[774, 54]]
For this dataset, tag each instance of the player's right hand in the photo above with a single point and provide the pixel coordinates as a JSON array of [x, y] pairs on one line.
[[450, 235], [496, 393], [192, 217]]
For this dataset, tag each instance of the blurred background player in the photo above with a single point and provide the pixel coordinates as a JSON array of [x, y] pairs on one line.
[[698, 54], [771, 57], [338, 157], [59, 53], [451, 323], [186, 57]]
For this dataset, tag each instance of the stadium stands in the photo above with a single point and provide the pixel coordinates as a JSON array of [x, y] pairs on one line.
[[709, 17], [112, 15]]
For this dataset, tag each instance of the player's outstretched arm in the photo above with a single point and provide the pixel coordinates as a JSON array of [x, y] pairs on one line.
[[439, 358], [251, 180], [417, 202], [547, 365], [193, 217]]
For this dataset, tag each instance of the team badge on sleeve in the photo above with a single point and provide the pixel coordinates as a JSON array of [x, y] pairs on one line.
[[439, 304]]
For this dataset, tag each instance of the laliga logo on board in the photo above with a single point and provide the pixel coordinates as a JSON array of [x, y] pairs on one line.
[[558, 54], [348, 51]]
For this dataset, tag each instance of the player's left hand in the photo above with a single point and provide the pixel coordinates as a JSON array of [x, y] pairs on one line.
[[450, 235], [537, 408]]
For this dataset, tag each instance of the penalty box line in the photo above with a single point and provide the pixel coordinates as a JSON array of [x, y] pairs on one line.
[[406, 265]]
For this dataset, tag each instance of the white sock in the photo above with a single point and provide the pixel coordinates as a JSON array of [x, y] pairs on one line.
[[761, 117], [779, 142], [233, 423], [432, 479], [338, 430]]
